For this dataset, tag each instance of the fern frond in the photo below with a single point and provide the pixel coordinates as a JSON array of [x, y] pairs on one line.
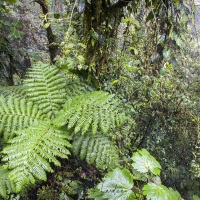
[[75, 87], [6, 186], [17, 113], [46, 86], [96, 149], [15, 91], [32, 150], [96, 110]]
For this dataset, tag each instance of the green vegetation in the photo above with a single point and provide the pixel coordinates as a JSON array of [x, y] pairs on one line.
[[118, 184], [99, 100]]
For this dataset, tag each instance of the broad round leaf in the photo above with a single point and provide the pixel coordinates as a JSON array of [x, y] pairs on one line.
[[144, 162], [160, 192], [117, 185]]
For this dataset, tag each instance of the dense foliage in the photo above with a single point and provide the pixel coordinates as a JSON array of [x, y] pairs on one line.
[[96, 96]]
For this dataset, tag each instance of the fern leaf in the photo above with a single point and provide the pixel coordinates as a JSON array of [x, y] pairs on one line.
[[46, 86], [84, 146], [32, 150], [15, 91], [6, 186], [92, 110], [92, 151], [96, 149], [17, 113], [95, 122], [75, 87], [74, 118]]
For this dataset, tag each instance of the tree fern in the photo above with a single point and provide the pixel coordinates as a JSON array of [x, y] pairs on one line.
[[96, 110], [6, 186], [15, 91], [75, 87], [17, 113], [45, 85], [31, 152], [38, 119], [96, 149]]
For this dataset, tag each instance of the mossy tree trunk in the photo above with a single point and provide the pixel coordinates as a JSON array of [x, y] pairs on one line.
[[101, 20]]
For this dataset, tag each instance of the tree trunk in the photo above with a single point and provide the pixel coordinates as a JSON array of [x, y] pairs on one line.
[[101, 20], [53, 46], [9, 77]]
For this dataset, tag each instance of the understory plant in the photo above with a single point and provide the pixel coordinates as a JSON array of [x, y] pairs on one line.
[[119, 184], [54, 116], [49, 118]]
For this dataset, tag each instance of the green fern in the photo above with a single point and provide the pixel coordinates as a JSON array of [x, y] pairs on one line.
[[32, 150], [96, 149], [15, 91], [45, 85], [16, 114], [6, 186], [38, 124], [75, 87], [96, 110]]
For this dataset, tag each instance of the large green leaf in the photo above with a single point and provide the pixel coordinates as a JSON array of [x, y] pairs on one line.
[[10, 1], [15, 91], [6, 185], [45, 85], [95, 110], [160, 192], [116, 185], [195, 197], [96, 149], [31, 152], [144, 162], [174, 195], [17, 113], [96, 194]]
